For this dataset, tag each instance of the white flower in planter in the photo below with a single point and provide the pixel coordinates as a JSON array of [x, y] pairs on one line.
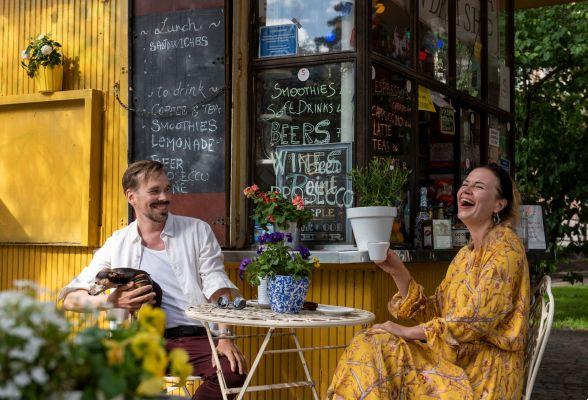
[[24, 55], [41, 36], [46, 50]]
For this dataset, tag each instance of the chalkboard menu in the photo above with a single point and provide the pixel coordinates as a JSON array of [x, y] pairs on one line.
[[391, 115], [179, 96], [304, 106], [318, 173]]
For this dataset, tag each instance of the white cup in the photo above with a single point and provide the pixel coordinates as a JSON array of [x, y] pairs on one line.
[[378, 251]]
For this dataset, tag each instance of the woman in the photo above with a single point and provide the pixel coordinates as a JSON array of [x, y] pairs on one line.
[[470, 335]]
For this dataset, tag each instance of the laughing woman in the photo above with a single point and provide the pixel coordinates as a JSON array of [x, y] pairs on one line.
[[470, 335]]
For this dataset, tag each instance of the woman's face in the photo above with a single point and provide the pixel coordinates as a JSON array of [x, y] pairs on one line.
[[478, 198]]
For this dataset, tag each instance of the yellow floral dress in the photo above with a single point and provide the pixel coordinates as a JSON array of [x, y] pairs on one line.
[[476, 325]]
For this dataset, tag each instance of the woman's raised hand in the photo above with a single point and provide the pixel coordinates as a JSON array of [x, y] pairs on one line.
[[392, 264]]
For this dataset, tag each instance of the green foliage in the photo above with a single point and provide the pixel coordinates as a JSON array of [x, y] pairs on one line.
[[551, 49], [380, 183], [571, 307], [276, 258], [41, 51], [573, 277]]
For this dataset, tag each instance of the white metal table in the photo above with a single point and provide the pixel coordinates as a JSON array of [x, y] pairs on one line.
[[266, 318]]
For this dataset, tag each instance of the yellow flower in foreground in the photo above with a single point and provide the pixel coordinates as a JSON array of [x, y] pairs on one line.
[[179, 364], [144, 344], [155, 362], [115, 351], [150, 387], [151, 319], [316, 262]]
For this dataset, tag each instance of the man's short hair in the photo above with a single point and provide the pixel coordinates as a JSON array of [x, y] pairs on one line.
[[140, 171]]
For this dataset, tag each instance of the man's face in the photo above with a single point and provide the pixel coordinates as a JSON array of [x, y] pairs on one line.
[[152, 198]]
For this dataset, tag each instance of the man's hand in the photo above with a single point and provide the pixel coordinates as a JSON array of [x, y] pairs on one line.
[[227, 348], [132, 300]]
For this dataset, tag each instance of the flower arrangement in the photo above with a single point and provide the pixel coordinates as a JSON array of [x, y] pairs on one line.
[[380, 183], [41, 51], [276, 258], [274, 208], [41, 356]]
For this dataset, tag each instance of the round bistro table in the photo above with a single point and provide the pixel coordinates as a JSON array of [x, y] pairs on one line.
[[255, 316]]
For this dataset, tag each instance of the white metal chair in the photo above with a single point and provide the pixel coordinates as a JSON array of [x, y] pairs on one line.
[[172, 383], [540, 320]]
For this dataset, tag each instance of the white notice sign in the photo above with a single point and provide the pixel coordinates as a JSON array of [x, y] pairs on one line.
[[494, 137]]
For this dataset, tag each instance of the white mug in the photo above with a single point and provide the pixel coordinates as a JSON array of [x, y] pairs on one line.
[[378, 251]]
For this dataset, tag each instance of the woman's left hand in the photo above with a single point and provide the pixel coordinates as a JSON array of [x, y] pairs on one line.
[[405, 332]]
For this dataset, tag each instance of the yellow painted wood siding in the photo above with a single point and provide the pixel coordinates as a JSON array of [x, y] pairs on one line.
[[94, 38]]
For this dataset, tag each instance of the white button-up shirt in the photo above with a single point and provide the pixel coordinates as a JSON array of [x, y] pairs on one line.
[[195, 255]]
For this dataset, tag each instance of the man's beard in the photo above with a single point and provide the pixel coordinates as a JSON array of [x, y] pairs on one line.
[[158, 216]]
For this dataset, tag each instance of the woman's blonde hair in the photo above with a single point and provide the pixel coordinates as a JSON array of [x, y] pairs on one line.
[[507, 190]]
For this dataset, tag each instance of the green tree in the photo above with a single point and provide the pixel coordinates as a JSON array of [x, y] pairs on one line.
[[551, 67]]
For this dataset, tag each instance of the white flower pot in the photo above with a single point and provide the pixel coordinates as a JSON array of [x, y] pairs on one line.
[[371, 224]]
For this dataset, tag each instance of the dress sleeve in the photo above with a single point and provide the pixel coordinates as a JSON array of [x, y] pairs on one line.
[[415, 306], [483, 302]]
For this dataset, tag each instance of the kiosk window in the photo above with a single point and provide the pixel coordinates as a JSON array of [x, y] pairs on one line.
[[498, 64], [297, 28], [469, 141], [433, 39], [468, 49], [390, 30], [301, 106], [499, 142]]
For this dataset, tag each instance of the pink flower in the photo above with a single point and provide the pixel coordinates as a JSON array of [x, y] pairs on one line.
[[250, 191], [298, 201], [271, 219]]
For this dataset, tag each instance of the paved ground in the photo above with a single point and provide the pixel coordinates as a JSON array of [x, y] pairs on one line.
[[563, 373]]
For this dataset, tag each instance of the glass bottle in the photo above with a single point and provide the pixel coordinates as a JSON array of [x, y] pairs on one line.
[[423, 215]]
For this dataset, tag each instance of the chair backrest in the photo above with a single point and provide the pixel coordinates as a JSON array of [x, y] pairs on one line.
[[540, 320]]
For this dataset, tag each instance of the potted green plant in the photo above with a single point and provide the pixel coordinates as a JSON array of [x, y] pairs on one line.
[[287, 272], [273, 208], [379, 187], [43, 61]]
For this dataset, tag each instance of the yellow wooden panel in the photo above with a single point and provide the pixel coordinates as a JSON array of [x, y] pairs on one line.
[[48, 188]]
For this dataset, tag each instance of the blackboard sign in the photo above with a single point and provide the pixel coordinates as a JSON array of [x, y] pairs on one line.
[[391, 115], [304, 106], [318, 173], [179, 96]]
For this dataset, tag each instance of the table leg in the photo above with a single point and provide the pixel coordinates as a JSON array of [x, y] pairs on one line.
[[219, 370], [303, 361], [268, 336]]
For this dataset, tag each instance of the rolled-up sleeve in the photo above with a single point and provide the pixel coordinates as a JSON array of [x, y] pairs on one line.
[[211, 264], [85, 279]]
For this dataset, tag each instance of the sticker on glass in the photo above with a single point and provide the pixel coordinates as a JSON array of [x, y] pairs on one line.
[[408, 86], [303, 74], [373, 72]]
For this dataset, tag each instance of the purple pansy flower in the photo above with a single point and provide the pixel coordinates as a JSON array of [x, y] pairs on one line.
[[243, 267], [304, 252], [260, 250], [289, 237]]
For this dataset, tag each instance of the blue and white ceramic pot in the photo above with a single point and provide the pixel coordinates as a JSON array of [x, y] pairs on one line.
[[286, 293]]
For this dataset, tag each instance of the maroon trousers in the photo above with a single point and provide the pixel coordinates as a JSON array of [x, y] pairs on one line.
[[198, 349]]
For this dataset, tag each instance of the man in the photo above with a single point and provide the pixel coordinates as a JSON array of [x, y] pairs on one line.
[[183, 256]]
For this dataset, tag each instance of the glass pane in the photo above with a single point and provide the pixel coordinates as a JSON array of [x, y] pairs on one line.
[[303, 27], [498, 67], [390, 30], [499, 142], [391, 126], [433, 36], [469, 141], [436, 152], [468, 50]]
